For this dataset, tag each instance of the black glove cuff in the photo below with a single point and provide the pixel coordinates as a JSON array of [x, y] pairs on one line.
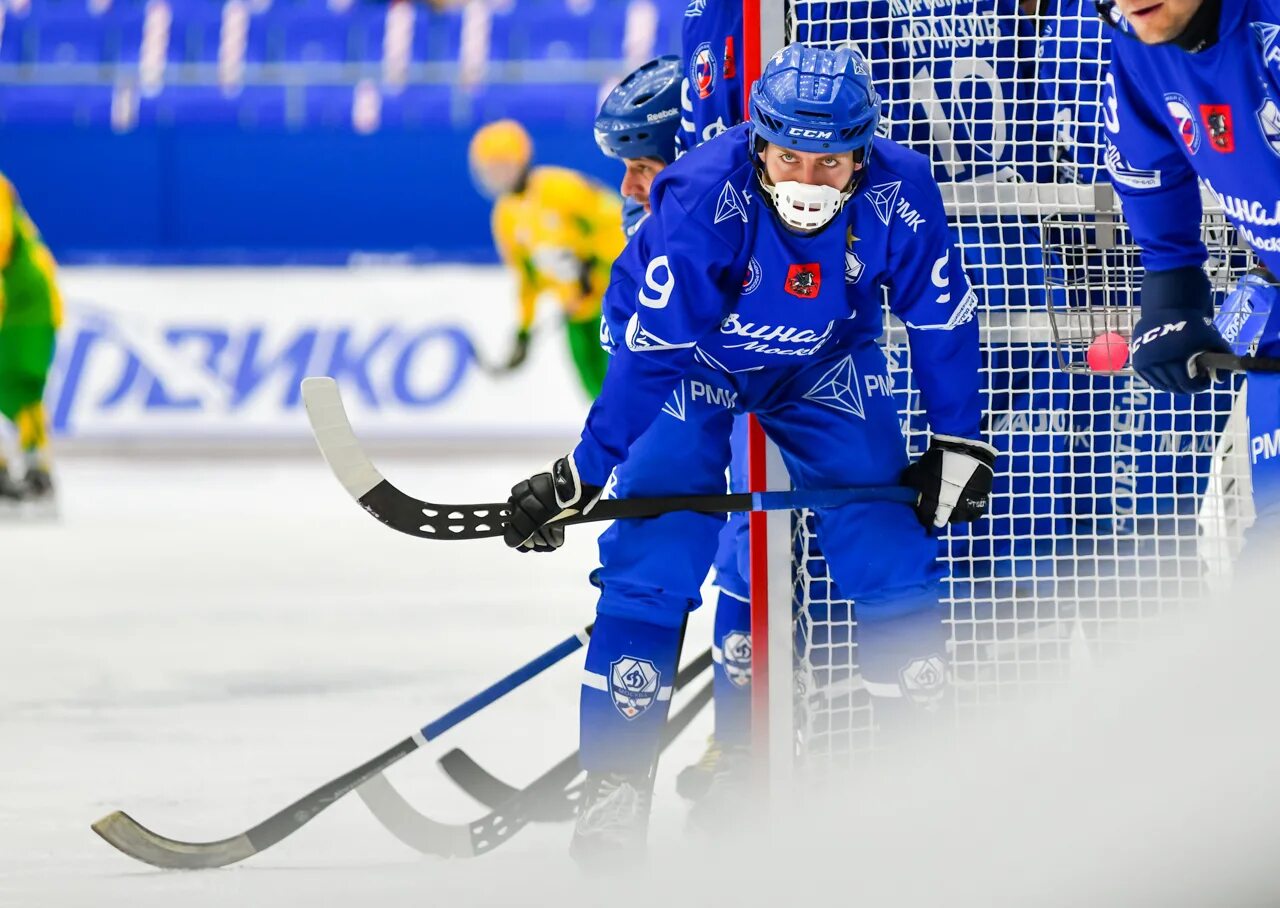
[[1183, 289]]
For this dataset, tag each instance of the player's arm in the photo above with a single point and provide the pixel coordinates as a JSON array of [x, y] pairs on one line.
[[8, 211], [1160, 195], [516, 257], [931, 294], [675, 276]]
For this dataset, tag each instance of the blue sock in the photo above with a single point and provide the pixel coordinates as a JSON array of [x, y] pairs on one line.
[[732, 684], [626, 692]]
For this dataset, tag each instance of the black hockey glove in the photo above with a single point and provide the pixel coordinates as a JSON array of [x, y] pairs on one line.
[[1175, 327], [519, 351], [535, 501], [953, 478]]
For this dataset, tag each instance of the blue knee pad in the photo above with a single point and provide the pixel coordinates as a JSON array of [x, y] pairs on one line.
[[626, 693], [732, 677]]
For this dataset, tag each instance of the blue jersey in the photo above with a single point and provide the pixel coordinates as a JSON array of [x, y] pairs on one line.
[[1071, 55], [1173, 118], [712, 97], [714, 279]]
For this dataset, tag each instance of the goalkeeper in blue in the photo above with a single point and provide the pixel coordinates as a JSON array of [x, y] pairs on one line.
[[757, 284], [1193, 95]]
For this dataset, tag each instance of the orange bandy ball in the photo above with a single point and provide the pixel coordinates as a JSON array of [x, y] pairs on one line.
[[1108, 353]]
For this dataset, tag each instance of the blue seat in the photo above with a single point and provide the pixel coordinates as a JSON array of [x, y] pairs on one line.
[[605, 30], [81, 105], [183, 105], [17, 40], [572, 103], [195, 33], [668, 36], [122, 39], [554, 33], [329, 105], [71, 40], [419, 106], [208, 105], [262, 106], [438, 36], [312, 37], [366, 23]]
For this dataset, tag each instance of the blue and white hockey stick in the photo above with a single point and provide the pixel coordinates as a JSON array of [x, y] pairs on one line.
[[126, 834], [427, 520]]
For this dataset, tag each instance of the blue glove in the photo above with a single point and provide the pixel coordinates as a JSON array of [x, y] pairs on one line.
[[1175, 327]]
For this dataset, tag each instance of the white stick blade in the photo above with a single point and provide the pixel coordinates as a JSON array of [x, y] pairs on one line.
[[333, 434]]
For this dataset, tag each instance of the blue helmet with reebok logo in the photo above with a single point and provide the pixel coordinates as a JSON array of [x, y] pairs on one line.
[[639, 118], [816, 100]]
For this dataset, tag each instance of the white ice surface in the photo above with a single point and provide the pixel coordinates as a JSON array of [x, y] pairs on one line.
[[201, 642]]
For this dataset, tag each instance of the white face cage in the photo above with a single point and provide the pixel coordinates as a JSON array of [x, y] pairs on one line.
[[805, 207]]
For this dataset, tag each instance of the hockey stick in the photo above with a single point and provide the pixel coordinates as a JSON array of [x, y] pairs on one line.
[[427, 520], [492, 792], [126, 834], [469, 840], [1229, 362]]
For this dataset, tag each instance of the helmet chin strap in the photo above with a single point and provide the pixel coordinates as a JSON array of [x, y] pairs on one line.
[[804, 207]]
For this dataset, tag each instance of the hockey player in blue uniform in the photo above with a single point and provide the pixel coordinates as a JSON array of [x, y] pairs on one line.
[[637, 124], [711, 40], [1193, 95], [759, 278]]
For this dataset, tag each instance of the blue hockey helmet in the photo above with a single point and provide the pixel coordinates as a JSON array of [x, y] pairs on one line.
[[817, 100], [639, 118]]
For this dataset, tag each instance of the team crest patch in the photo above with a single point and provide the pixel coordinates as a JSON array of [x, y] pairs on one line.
[[1217, 120], [923, 680], [737, 658], [1185, 120], [633, 684], [754, 275], [702, 70], [804, 281]]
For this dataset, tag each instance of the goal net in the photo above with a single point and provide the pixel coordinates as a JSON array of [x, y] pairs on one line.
[[1113, 504]]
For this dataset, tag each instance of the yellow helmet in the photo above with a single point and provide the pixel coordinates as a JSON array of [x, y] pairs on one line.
[[499, 155]]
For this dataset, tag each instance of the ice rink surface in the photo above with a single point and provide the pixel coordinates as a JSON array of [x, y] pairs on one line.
[[201, 642]]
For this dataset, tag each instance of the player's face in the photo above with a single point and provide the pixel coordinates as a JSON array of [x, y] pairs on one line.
[[639, 177], [814, 168], [1157, 21]]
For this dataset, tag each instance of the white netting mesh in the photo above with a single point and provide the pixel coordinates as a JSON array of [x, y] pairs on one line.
[[1114, 504]]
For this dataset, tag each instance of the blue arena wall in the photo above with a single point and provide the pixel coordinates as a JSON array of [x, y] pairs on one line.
[[201, 194]]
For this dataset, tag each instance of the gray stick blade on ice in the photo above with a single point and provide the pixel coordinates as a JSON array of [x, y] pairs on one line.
[[128, 835]]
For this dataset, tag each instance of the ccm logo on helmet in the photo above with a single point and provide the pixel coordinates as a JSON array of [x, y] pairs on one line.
[[810, 133]]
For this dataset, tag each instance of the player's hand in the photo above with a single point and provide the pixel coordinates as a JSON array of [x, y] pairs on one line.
[[953, 478], [1165, 345], [534, 502], [519, 351]]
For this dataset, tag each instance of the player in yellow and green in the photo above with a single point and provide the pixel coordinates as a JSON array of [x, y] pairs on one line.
[[30, 313], [559, 230]]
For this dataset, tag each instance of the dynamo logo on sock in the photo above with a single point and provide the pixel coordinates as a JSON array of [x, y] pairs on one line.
[[634, 684]]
